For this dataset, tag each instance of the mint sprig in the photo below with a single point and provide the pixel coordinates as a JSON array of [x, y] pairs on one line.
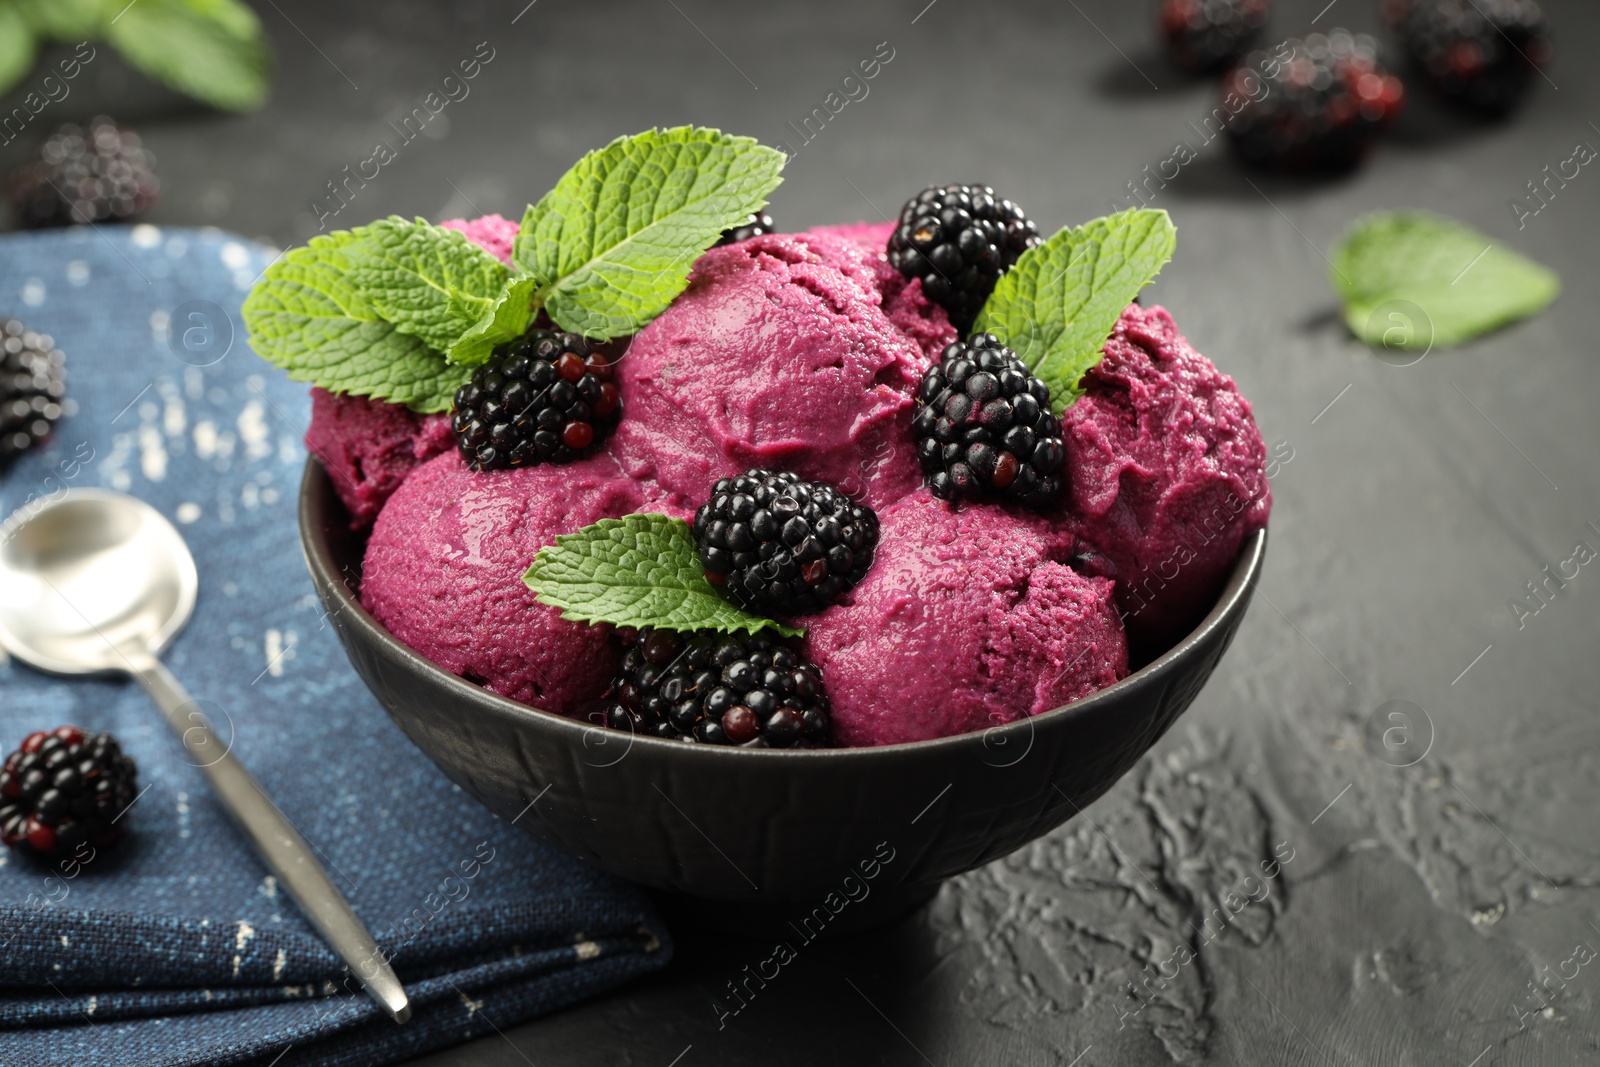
[[505, 319], [307, 317], [212, 50], [640, 570], [428, 281], [1057, 305], [614, 240], [398, 309], [1414, 280]]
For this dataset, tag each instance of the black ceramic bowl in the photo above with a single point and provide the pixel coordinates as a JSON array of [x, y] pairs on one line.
[[840, 837]]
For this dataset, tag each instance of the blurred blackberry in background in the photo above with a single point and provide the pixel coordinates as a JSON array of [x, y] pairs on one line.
[[546, 397], [754, 226], [779, 545], [1480, 54], [719, 689], [984, 426], [33, 384], [102, 174], [959, 239], [62, 788], [1327, 99], [1207, 35]]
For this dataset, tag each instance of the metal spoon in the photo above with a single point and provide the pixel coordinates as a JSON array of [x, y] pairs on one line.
[[95, 582]]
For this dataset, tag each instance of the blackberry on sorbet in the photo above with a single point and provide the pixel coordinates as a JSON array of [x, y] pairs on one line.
[[1206, 35], [100, 174], [62, 788], [757, 224], [749, 690], [547, 397], [959, 239], [780, 545], [1326, 100], [32, 386], [1481, 54], [984, 426]]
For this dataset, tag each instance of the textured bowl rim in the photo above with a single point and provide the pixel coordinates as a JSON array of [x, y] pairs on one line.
[[1232, 600]]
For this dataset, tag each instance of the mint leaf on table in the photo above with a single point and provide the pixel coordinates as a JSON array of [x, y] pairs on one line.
[[640, 570], [18, 46], [1057, 305], [213, 50], [613, 242], [505, 319], [1464, 283], [305, 316], [428, 281]]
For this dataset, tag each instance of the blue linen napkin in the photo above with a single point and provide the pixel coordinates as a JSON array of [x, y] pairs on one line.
[[177, 947]]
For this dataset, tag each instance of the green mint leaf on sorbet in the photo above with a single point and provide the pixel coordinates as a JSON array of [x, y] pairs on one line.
[[1413, 280], [306, 316], [640, 570], [615, 239], [1058, 304], [504, 320], [213, 50], [428, 281]]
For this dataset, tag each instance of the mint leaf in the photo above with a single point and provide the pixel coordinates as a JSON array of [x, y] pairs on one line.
[[395, 310], [212, 50], [506, 319], [1058, 304], [640, 570], [18, 47], [428, 281], [64, 20], [614, 241], [231, 16], [1414, 280], [305, 316]]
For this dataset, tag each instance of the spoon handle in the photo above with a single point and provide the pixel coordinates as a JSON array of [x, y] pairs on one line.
[[276, 839]]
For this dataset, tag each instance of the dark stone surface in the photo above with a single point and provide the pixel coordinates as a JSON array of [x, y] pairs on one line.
[[1420, 901]]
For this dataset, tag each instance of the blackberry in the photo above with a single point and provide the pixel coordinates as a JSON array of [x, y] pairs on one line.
[[757, 224], [546, 397], [747, 690], [959, 239], [984, 426], [1326, 99], [32, 385], [102, 174], [1480, 54], [779, 545], [1206, 35], [62, 788]]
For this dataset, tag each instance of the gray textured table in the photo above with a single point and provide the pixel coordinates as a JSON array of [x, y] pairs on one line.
[[1418, 908]]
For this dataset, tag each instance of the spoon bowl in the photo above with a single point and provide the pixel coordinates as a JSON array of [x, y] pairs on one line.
[[89, 575]]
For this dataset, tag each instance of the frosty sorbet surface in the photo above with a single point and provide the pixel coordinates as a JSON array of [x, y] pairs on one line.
[[779, 354], [443, 573], [1165, 474], [966, 620], [493, 234], [370, 447]]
